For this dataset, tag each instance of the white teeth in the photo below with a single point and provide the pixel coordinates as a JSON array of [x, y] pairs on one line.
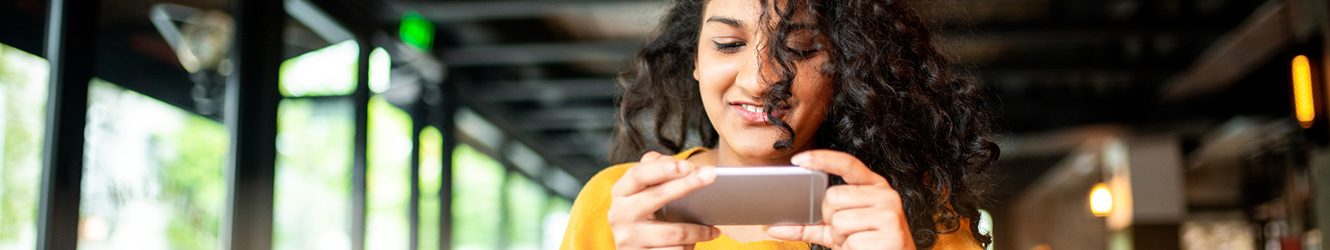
[[754, 109]]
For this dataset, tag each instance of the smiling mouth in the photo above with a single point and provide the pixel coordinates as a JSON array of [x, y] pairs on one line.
[[753, 108], [753, 113]]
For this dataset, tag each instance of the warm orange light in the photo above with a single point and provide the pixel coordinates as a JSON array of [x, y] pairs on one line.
[[1302, 91], [94, 229], [1101, 201]]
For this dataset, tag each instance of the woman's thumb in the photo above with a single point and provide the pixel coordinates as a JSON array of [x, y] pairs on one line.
[[816, 234]]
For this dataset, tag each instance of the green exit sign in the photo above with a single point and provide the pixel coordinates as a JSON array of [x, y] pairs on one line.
[[416, 31]]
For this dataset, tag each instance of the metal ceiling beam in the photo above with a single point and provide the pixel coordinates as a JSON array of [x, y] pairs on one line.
[[570, 112], [549, 90], [317, 20], [954, 40], [492, 10], [1267, 32], [566, 125], [1074, 76], [595, 144], [584, 174], [1057, 33], [526, 54], [354, 15], [567, 118], [1033, 68], [492, 113]]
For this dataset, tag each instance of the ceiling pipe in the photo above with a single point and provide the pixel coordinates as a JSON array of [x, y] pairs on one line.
[[1268, 31]]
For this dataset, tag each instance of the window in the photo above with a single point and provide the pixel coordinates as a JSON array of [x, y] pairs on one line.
[[555, 222], [313, 182], [525, 207], [389, 176], [477, 185], [497, 204], [153, 175], [431, 180], [23, 84], [315, 149]]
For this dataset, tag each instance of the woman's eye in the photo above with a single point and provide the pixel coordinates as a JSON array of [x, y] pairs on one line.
[[729, 47], [804, 43], [803, 49], [802, 52]]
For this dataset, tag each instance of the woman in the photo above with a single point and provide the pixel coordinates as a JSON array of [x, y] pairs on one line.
[[853, 88]]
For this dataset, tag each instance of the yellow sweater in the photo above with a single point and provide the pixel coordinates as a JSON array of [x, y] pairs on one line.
[[588, 227]]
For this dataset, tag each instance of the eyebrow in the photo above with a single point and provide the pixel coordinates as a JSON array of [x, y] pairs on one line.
[[728, 21]]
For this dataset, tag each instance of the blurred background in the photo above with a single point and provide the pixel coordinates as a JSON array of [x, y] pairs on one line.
[[472, 124]]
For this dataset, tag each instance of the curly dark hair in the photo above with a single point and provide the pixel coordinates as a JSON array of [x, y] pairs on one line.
[[898, 105]]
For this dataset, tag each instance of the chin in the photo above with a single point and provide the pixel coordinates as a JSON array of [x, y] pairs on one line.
[[759, 151], [755, 144]]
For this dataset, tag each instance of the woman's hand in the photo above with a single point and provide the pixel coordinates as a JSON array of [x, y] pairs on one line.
[[656, 180], [865, 214]]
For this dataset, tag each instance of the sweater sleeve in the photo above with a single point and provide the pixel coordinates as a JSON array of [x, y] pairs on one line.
[[588, 222], [588, 225]]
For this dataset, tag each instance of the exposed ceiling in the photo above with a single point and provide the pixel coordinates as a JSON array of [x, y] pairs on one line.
[[544, 71], [547, 68]]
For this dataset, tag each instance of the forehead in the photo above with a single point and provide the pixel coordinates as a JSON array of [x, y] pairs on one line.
[[749, 11]]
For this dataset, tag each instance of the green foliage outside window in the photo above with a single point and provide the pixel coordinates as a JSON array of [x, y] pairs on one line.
[[154, 175], [431, 179], [313, 185], [183, 183], [389, 177], [555, 221], [526, 208], [23, 83], [477, 183], [194, 183]]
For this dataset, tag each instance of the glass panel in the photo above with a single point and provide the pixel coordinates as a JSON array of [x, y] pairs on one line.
[[526, 206], [555, 222], [313, 189], [389, 176], [23, 84], [431, 179], [327, 71], [477, 181], [154, 174], [380, 70]]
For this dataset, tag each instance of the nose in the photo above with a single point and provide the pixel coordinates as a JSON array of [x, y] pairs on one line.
[[756, 74]]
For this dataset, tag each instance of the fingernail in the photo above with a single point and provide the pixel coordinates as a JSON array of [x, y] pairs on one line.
[[682, 167], [715, 232], [800, 159]]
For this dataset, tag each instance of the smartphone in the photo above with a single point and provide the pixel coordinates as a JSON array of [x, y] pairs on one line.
[[776, 195]]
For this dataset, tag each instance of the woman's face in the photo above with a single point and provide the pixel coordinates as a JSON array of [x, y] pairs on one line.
[[733, 71]]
